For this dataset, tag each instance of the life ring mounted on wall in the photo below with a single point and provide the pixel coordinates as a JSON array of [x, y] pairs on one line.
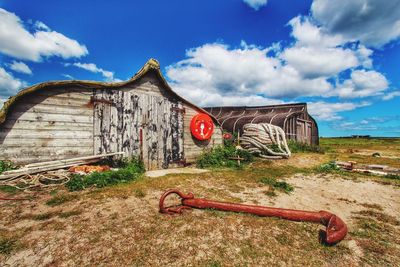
[[202, 126]]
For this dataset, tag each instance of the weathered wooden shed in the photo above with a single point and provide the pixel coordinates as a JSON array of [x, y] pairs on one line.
[[292, 118], [142, 117]]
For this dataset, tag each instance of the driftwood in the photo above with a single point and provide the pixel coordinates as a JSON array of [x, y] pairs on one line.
[[52, 165], [368, 168]]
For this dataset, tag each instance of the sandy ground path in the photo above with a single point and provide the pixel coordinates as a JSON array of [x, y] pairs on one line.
[[127, 230]]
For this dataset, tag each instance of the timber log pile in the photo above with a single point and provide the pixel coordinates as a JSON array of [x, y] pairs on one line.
[[265, 140]]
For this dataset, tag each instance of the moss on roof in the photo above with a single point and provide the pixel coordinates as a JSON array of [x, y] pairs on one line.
[[151, 64]]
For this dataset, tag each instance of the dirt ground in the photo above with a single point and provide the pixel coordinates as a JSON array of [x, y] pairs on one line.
[[121, 225]]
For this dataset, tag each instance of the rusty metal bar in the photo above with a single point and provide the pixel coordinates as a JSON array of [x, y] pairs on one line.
[[335, 231]]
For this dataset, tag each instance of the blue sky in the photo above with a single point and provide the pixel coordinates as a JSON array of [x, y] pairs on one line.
[[342, 57]]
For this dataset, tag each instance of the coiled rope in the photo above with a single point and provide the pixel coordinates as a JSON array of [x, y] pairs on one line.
[[264, 139]]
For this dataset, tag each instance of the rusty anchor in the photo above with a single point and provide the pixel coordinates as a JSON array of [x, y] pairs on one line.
[[336, 229]]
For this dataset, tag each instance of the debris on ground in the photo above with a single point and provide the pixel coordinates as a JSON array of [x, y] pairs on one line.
[[367, 168], [83, 169], [50, 173]]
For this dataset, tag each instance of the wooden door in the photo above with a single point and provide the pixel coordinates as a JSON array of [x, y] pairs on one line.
[[139, 124], [303, 131]]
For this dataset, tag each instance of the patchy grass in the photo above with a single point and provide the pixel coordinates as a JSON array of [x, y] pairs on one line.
[[278, 185], [223, 157], [68, 214], [139, 193], [7, 244], [129, 212], [9, 189], [129, 171], [328, 167], [6, 166], [60, 199], [296, 147]]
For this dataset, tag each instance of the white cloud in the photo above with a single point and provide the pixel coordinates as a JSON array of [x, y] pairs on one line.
[[21, 67], [68, 76], [373, 22], [329, 111], [362, 84], [8, 84], [391, 95], [18, 42], [41, 26], [248, 70], [308, 34], [314, 62], [108, 75], [256, 4]]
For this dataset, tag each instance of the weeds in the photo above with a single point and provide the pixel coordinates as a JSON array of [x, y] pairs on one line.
[[296, 147], [68, 214], [278, 185], [9, 189], [129, 171], [7, 245], [60, 199], [328, 167], [224, 157], [6, 166], [392, 176], [139, 193]]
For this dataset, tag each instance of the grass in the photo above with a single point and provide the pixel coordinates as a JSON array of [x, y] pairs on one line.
[[9, 189], [6, 166], [378, 235], [60, 199], [278, 185], [139, 193], [129, 171], [296, 147], [222, 157], [8, 244], [49, 215], [206, 238]]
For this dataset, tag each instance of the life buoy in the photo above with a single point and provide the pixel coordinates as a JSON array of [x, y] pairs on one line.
[[202, 126]]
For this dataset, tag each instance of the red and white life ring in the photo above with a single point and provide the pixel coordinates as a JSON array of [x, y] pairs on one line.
[[202, 126]]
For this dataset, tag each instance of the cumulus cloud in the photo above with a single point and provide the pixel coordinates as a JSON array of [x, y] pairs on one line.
[[329, 111], [9, 85], [108, 75], [256, 4], [391, 95], [18, 42], [373, 22], [215, 69], [362, 83], [314, 62], [20, 67]]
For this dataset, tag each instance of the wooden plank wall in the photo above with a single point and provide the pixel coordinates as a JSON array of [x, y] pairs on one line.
[[193, 147], [140, 120], [48, 125]]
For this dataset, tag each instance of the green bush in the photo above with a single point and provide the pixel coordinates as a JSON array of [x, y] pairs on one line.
[[129, 171], [223, 157], [6, 166], [296, 147]]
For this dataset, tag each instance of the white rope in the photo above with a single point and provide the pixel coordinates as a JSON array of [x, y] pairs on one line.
[[259, 137]]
